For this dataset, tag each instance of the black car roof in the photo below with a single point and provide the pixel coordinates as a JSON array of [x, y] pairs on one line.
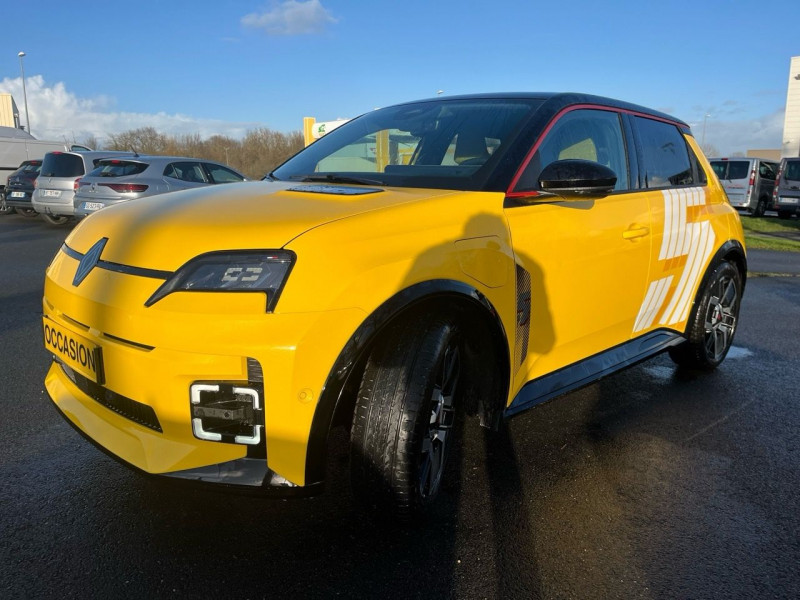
[[556, 101]]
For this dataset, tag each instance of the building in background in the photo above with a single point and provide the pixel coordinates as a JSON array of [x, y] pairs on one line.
[[769, 154], [9, 113], [791, 123]]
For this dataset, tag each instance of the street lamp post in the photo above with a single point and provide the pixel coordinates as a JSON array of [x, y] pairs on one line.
[[703, 141], [24, 91]]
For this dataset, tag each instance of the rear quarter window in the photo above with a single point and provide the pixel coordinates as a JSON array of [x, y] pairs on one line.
[[220, 174], [666, 161]]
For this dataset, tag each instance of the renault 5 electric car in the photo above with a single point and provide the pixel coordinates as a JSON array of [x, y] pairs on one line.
[[462, 256]]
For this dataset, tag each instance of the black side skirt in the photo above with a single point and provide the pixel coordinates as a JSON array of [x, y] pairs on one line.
[[591, 369]]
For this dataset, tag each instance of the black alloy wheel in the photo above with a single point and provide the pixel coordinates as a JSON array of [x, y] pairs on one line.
[[713, 322]]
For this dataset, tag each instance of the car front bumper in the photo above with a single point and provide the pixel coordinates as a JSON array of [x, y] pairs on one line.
[[154, 358]]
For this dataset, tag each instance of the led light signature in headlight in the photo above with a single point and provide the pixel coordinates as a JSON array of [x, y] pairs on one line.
[[231, 271]]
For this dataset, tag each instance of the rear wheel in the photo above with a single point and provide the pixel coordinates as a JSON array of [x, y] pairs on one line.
[[404, 426], [713, 321], [57, 220], [5, 210], [760, 208], [784, 214]]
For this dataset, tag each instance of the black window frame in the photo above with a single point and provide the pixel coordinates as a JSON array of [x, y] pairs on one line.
[[628, 143]]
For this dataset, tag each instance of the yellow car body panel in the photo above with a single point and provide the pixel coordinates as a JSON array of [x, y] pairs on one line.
[[296, 345]]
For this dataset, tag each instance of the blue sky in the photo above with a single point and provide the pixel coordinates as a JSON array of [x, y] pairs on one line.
[[225, 67]]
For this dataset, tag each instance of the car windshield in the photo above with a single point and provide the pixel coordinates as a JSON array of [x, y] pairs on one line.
[[117, 168], [450, 144], [731, 169], [31, 167], [792, 170]]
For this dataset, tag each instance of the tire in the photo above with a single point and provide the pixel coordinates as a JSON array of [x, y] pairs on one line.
[[784, 214], [405, 426], [27, 212], [713, 321], [57, 220], [760, 208], [5, 210]]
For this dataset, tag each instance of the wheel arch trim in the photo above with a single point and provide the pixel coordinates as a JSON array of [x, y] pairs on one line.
[[356, 348]]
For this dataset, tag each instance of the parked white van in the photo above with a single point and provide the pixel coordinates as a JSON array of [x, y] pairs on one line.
[[747, 181]]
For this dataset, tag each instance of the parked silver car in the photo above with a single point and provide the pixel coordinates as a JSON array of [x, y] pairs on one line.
[[786, 199], [116, 180], [748, 182], [58, 181]]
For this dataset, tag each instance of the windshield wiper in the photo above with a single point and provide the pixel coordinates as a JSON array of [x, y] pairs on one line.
[[331, 178]]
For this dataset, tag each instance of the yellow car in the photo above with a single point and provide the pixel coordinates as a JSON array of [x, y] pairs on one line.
[[472, 255]]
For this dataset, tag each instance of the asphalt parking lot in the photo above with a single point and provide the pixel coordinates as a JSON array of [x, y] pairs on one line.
[[652, 483]]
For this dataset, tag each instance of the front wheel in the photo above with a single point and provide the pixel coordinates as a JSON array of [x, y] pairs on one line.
[[713, 321], [404, 425], [57, 220]]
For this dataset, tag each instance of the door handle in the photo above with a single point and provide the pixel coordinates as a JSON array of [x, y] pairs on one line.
[[635, 231]]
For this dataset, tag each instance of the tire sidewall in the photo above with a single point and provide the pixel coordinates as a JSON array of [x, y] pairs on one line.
[[697, 334]]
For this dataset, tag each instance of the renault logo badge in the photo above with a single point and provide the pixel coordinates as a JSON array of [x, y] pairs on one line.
[[89, 261]]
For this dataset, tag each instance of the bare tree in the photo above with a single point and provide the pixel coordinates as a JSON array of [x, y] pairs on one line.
[[90, 141], [260, 151]]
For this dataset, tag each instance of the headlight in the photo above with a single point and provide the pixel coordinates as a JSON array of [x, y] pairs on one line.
[[239, 271]]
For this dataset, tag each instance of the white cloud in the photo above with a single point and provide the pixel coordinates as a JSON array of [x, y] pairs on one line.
[[291, 17], [729, 136], [57, 114]]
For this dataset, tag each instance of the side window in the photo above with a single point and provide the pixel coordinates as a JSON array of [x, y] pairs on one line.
[[185, 171], [666, 157], [220, 174], [585, 134]]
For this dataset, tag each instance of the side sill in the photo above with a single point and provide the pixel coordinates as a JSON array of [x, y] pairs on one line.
[[591, 369]]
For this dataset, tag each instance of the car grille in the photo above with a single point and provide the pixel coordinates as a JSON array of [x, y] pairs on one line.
[[125, 407]]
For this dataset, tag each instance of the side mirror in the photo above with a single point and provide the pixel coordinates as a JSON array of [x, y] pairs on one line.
[[581, 177]]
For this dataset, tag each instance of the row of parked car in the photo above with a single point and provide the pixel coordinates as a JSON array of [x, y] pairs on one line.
[[74, 184], [64, 185], [755, 185]]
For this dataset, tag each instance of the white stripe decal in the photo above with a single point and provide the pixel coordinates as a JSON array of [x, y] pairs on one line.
[[707, 246], [702, 244], [646, 305], [652, 303], [667, 225], [678, 224], [693, 240], [682, 246], [676, 295]]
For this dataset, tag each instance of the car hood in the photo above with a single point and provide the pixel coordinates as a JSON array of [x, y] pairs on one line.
[[165, 231]]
